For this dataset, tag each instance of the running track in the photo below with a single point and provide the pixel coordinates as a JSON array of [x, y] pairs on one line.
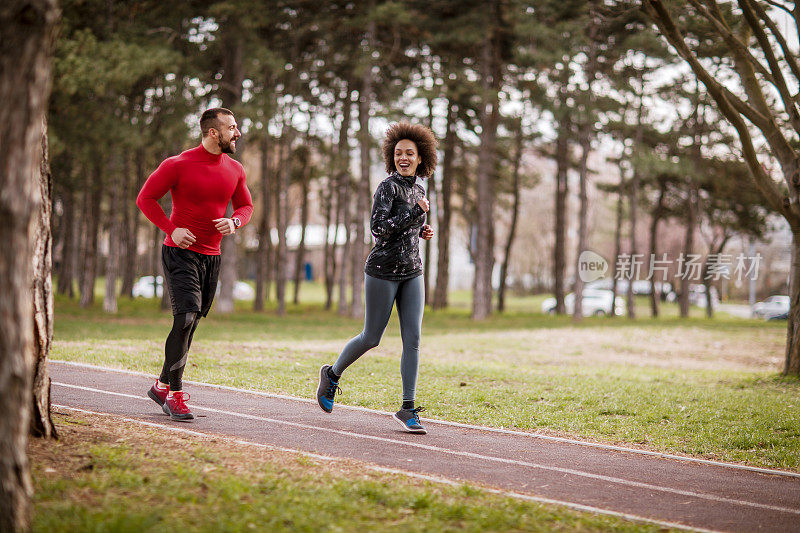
[[670, 490]]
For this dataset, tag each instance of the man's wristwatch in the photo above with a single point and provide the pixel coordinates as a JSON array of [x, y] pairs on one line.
[[236, 223]]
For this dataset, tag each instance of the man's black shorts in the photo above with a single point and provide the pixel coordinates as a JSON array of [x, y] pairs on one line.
[[191, 279]]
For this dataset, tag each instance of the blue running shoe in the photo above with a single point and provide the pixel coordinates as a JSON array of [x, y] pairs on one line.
[[409, 419], [326, 390]]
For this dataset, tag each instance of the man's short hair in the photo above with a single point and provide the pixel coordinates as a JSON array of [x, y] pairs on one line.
[[210, 118]]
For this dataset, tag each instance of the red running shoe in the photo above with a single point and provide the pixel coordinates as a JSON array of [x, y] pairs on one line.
[[176, 408], [158, 395]]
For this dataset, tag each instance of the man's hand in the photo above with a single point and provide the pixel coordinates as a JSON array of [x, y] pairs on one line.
[[424, 204], [427, 232], [225, 225], [183, 237]]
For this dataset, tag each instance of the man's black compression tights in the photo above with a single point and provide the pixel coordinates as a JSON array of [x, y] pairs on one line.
[[176, 349]]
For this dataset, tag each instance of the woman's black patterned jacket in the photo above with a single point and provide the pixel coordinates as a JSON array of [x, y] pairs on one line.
[[395, 222]]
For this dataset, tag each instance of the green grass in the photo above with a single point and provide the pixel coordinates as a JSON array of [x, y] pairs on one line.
[[702, 387], [122, 478]]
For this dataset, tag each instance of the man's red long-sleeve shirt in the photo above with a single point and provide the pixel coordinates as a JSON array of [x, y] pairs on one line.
[[201, 184]]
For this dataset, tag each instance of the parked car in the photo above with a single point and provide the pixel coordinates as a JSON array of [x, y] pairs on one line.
[[640, 287], [241, 291], [143, 288], [596, 302], [777, 304]]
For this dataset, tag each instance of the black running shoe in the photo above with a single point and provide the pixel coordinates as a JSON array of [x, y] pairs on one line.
[[326, 390], [409, 419]]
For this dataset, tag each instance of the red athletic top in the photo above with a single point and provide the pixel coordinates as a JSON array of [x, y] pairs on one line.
[[201, 184]]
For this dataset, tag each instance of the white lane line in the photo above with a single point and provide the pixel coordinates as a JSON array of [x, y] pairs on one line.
[[384, 470], [471, 455], [528, 497], [565, 440]]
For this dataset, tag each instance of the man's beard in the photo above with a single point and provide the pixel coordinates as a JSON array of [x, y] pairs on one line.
[[227, 147]]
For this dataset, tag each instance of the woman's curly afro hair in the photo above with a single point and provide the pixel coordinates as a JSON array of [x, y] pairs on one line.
[[421, 136]]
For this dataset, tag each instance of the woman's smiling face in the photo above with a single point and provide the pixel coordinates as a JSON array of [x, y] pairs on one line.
[[406, 158]]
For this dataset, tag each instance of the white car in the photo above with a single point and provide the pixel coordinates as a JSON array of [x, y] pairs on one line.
[[143, 288], [241, 291], [772, 306], [596, 302]]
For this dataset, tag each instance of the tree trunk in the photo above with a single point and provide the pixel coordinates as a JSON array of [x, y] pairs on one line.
[[25, 64], [489, 116], [713, 251], [692, 198], [512, 230], [41, 423], [431, 215], [66, 272], [658, 213], [362, 192], [227, 271], [344, 205], [155, 259], [134, 179], [82, 237], [443, 211], [231, 95], [282, 197], [583, 230], [633, 194], [333, 264], [300, 256], [688, 247], [126, 263], [617, 240], [707, 285], [347, 248], [330, 239], [264, 237], [562, 192], [93, 216], [791, 365], [634, 201], [114, 247]]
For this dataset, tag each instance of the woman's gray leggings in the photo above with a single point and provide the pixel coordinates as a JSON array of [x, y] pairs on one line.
[[379, 296]]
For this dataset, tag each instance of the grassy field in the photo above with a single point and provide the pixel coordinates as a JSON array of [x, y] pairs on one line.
[[708, 388], [104, 475]]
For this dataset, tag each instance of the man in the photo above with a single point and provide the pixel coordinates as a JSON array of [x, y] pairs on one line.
[[201, 181]]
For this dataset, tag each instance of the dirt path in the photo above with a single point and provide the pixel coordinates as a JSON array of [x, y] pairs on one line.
[[657, 487]]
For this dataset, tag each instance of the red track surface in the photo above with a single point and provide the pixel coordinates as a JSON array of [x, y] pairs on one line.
[[694, 494]]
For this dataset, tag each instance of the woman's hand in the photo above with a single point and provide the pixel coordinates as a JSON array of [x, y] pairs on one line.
[[424, 204], [427, 232]]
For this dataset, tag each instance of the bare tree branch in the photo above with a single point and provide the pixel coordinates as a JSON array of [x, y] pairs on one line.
[[788, 55], [773, 3], [747, 75], [658, 13], [759, 117], [770, 128], [732, 40], [766, 47]]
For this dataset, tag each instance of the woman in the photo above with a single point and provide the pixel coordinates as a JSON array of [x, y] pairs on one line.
[[393, 271]]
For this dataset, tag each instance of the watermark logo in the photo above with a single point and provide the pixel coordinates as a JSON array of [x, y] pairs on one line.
[[687, 267], [591, 266]]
